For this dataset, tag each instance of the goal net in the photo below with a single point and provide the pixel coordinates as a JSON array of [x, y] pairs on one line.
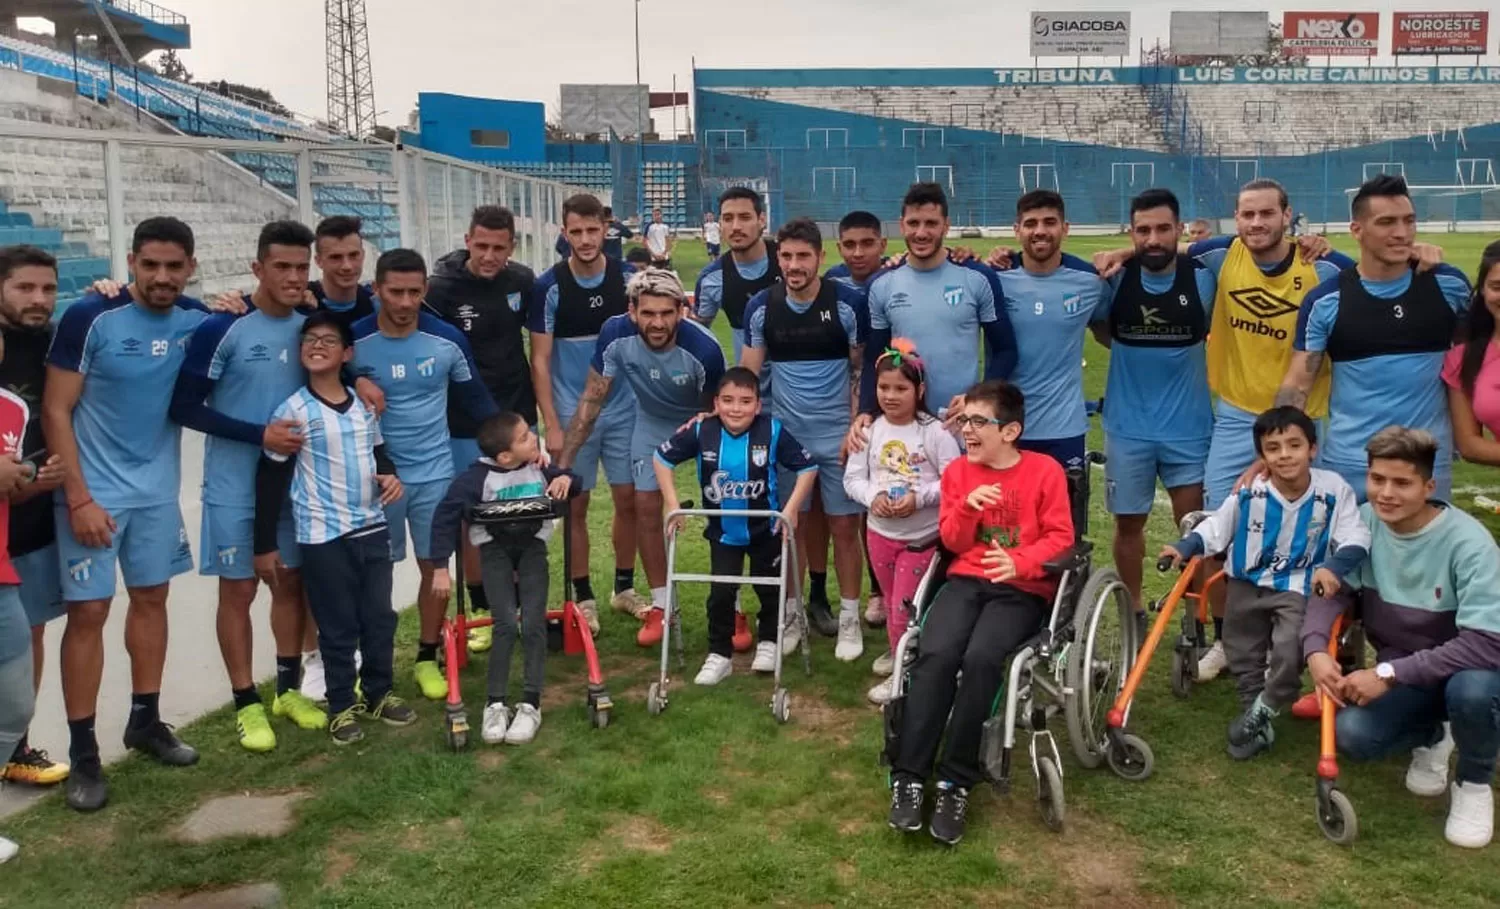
[[1452, 204]]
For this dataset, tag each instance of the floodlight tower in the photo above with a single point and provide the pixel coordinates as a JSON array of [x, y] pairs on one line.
[[351, 85]]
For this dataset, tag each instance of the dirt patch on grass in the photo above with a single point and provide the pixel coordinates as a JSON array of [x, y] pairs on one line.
[[339, 858], [490, 759], [1094, 862], [846, 873], [629, 833], [814, 718], [422, 837], [717, 796], [316, 762]]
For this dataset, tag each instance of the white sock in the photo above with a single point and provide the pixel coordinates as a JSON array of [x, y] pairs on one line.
[[739, 605], [659, 597], [847, 605]]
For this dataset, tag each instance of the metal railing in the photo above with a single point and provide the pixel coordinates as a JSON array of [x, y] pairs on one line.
[[145, 9]]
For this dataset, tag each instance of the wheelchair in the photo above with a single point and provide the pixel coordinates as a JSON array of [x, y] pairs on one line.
[[566, 628], [1074, 665]]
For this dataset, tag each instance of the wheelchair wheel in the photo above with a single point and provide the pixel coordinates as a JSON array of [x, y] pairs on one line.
[[1182, 674], [655, 702], [1336, 818], [1050, 794], [1132, 759], [1098, 662]]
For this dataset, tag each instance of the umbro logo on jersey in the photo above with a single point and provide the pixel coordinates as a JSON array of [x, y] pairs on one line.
[[1261, 303], [259, 353], [131, 347]]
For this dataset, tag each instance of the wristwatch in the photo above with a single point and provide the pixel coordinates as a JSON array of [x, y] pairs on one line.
[[1385, 672]]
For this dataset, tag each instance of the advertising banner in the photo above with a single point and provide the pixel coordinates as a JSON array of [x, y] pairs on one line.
[[1080, 34], [1440, 33], [1331, 34]]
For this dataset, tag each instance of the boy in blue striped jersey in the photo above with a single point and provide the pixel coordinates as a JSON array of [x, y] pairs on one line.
[[740, 453], [1288, 533], [340, 481]]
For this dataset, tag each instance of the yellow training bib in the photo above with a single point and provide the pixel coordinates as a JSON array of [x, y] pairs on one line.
[[1254, 325]]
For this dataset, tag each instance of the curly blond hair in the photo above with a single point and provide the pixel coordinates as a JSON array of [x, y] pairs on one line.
[[655, 282]]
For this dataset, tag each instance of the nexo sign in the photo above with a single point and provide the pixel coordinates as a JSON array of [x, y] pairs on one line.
[[1080, 34]]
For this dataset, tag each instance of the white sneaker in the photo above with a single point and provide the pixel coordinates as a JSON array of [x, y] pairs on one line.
[[882, 692], [715, 670], [884, 663], [765, 657], [1427, 775], [1471, 816], [314, 682], [8, 850], [791, 633], [851, 642], [496, 719], [590, 612], [875, 610], [523, 725], [1212, 663]]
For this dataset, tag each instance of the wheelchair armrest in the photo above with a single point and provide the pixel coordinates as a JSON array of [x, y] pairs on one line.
[[1074, 560], [923, 544]]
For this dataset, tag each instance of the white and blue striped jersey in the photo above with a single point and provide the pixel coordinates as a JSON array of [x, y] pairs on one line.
[[1278, 544], [333, 482]]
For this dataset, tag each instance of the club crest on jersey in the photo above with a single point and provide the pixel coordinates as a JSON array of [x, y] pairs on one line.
[[679, 378], [759, 455], [514, 299], [80, 569], [953, 296], [427, 367], [1072, 303]]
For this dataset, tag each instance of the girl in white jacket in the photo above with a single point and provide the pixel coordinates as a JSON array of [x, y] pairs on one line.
[[898, 478]]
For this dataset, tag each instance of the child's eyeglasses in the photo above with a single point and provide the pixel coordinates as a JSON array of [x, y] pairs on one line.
[[977, 422], [326, 342]]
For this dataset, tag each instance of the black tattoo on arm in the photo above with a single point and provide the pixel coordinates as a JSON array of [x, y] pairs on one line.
[[595, 391], [1299, 381], [856, 374]]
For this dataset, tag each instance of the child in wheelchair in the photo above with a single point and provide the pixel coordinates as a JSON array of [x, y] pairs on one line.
[[513, 558], [898, 478], [738, 451], [1004, 514], [1280, 533]]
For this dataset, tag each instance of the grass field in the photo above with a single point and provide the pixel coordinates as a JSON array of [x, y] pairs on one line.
[[713, 804]]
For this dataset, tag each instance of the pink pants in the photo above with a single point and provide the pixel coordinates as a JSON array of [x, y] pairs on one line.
[[898, 572]]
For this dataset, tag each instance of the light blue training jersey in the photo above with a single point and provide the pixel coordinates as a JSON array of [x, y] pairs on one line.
[[129, 355], [671, 385], [812, 398], [255, 363], [940, 311], [1050, 313], [1159, 393], [414, 373], [1368, 394]]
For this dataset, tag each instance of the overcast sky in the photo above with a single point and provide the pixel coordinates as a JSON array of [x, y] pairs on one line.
[[523, 50]]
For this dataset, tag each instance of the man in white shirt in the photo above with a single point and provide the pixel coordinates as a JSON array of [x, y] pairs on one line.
[[659, 241], [711, 234]]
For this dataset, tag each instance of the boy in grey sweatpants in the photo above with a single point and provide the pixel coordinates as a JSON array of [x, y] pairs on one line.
[[513, 559], [1278, 532]]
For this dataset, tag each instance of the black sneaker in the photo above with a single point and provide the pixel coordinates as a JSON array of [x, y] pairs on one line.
[[87, 789], [160, 742], [393, 711], [820, 616], [344, 727], [1251, 733], [948, 814], [906, 805]]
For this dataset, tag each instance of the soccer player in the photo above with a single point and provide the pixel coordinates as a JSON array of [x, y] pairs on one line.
[[942, 307], [340, 255], [1386, 329], [104, 412], [416, 358], [1158, 418], [238, 370], [1051, 300], [659, 240], [812, 333], [1200, 230], [615, 235], [28, 295], [711, 234], [672, 365], [748, 268], [482, 293], [573, 300]]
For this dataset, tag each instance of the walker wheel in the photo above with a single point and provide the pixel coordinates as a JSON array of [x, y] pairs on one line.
[[1182, 674], [1336, 818], [655, 703], [781, 706], [1050, 794], [458, 731], [1131, 758]]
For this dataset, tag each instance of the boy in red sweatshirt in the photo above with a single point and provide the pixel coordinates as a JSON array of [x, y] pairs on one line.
[[1004, 514]]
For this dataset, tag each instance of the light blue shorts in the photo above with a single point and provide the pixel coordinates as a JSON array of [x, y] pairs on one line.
[[645, 437], [1132, 467], [150, 546], [465, 452], [41, 585], [415, 508], [1232, 451], [226, 544], [1354, 475], [824, 448], [609, 445]]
